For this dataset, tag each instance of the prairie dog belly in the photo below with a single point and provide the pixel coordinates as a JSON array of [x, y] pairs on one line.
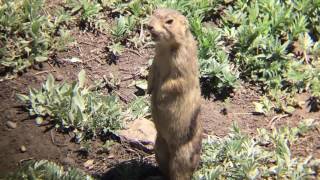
[[173, 113]]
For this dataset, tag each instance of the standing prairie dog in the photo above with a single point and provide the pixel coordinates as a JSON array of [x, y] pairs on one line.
[[174, 85]]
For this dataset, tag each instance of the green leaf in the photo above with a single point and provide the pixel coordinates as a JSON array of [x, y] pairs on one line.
[[41, 59], [289, 109], [28, 50], [36, 27], [78, 101], [116, 48], [50, 82], [71, 117], [82, 78], [23, 97], [259, 107], [141, 84]]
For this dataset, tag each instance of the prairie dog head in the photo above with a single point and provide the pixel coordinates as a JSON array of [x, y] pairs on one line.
[[168, 26]]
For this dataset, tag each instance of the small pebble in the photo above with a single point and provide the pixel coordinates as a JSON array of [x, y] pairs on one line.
[[59, 77], [11, 124], [23, 149]]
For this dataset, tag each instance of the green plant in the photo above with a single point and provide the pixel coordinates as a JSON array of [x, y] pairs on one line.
[[81, 109], [138, 108], [44, 169], [212, 57], [123, 27], [90, 12], [256, 41], [28, 34], [75, 107], [270, 38], [266, 156], [116, 49]]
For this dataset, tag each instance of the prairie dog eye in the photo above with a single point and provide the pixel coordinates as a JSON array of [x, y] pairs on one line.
[[169, 21]]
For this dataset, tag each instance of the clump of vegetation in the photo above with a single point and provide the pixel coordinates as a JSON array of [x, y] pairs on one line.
[[28, 35], [214, 64], [273, 43], [266, 42], [44, 169], [237, 156], [266, 156], [139, 108], [91, 17], [268, 39], [79, 108]]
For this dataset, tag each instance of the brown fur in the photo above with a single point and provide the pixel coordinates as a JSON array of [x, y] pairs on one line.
[[174, 85]]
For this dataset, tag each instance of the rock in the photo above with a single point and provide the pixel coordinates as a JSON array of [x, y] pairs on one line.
[[88, 164], [140, 132], [59, 77], [111, 156], [23, 149], [68, 161], [11, 125]]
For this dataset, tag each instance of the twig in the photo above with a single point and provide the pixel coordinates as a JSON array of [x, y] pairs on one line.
[[42, 72], [135, 152], [131, 77], [274, 119], [81, 42], [100, 168], [53, 141], [143, 158], [95, 59], [124, 99], [23, 160], [123, 69], [146, 45], [247, 113], [109, 84], [141, 31], [52, 66], [134, 51], [128, 78], [80, 51], [146, 157]]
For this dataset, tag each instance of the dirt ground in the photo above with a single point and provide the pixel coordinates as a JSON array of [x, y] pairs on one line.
[[45, 143]]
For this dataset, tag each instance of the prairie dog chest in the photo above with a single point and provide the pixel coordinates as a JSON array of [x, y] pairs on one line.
[[164, 66]]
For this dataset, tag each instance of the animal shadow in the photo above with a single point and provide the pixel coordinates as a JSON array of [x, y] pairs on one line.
[[132, 170]]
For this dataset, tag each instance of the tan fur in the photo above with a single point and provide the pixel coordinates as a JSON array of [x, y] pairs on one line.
[[174, 85]]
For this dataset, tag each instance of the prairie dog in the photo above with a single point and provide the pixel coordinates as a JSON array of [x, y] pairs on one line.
[[174, 86]]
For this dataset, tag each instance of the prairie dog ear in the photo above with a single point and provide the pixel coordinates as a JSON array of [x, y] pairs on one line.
[[184, 21]]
